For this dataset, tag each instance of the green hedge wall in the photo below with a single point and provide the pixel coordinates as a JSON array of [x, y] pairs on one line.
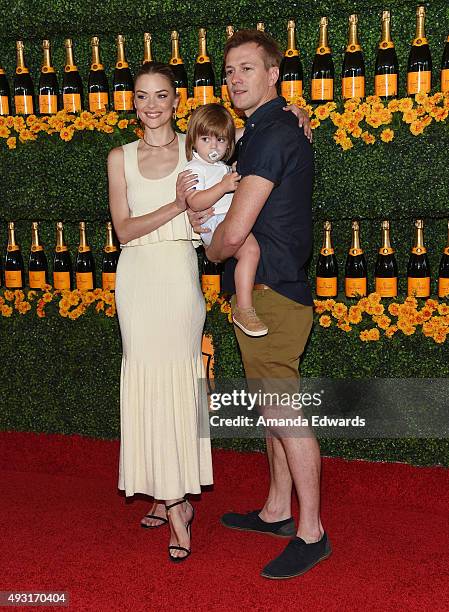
[[50, 180]]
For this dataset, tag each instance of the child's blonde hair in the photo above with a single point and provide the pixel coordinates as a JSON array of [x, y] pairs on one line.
[[210, 120]]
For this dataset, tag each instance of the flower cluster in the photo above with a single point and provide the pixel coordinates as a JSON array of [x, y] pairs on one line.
[[376, 319], [25, 129], [70, 304], [184, 113], [367, 121], [406, 317], [355, 120]]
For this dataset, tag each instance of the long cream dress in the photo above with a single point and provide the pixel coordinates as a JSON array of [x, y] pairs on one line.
[[165, 446]]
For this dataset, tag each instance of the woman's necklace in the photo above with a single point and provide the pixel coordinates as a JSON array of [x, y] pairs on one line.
[[159, 146]]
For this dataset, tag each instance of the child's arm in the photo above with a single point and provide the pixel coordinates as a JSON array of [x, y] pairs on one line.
[[202, 199]]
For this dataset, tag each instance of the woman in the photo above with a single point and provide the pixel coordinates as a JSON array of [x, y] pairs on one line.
[[165, 447]]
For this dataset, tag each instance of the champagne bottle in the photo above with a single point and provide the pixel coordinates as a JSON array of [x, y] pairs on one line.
[[84, 265], [224, 84], [62, 263], [387, 67], [260, 26], [291, 74], [72, 86], [110, 260], [419, 69], [5, 94], [356, 280], [211, 276], [147, 52], [14, 268], [322, 80], [97, 85], [23, 85], [444, 68], [443, 272], [386, 272], [418, 268], [178, 68], [48, 84], [353, 74], [123, 84], [327, 267], [203, 76], [37, 267]]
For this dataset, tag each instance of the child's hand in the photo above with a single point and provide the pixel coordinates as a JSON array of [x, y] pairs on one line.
[[230, 181]]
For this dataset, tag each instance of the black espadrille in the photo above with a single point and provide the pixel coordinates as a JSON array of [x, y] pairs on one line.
[[252, 522], [297, 558]]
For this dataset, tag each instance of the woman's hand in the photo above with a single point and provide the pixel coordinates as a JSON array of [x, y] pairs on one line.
[[198, 218], [185, 182], [303, 119]]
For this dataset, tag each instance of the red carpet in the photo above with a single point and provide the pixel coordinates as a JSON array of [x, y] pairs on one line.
[[65, 527]]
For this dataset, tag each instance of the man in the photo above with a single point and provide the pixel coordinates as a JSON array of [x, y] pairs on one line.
[[273, 200]]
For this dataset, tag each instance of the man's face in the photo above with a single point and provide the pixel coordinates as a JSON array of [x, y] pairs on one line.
[[249, 82]]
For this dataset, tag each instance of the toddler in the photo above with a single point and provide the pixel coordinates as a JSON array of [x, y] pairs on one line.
[[210, 142]]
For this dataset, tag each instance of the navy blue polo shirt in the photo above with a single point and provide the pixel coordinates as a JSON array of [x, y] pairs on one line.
[[274, 147]]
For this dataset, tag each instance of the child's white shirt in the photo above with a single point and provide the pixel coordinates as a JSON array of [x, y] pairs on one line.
[[209, 174]]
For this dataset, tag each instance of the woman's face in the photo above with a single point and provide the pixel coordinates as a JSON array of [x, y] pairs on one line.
[[154, 99]]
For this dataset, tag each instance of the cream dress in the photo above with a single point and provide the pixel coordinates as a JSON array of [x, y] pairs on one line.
[[165, 444]]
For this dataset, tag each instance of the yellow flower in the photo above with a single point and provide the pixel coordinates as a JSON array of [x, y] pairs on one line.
[[122, 124], [110, 312], [319, 306], [47, 297], [416, 128], [387, 135], [79, 124], [329, 304], [339, 310], [383, 322], [322, 112], [439, 337], [9, 295], [355, 314], [346, 144], [440, 114], [182, 125], [364, 335], [405, 104], [314, 123], [19, 123], [225, 308], [368, 138], [393, 309], [66, 133], [443, 309], [99, 306], [112, 118], [325, 321], [374, 120], [64, 304], [4, 132], [6, 310], [24, 307], [390, 331], [88, 297], [373, 334], [208, 306], [393, 106], [11, 142]]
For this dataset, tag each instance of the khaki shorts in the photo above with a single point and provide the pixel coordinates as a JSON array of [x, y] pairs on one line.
[[277, 354]]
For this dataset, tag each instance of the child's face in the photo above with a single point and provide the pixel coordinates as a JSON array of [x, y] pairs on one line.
[[211, 148]]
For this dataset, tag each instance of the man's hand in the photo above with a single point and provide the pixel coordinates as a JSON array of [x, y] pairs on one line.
[[198, 218], [303, 119]]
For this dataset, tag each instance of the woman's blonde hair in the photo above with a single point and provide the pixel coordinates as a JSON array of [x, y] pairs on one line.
[[210, 120]]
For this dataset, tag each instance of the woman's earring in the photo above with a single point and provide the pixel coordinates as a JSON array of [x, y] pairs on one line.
[[174, 114]]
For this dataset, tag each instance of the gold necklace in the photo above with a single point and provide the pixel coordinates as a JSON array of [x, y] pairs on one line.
[[159, 146]]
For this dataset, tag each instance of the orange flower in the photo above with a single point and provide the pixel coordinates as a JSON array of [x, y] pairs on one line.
[[355, 314], [390, 331], [383, 322], [387, 135], [368, 138], [373, 334], [6, 310], [11, 142], [24, 307], [410, 116], [339, 310], [122, 124], [66, 134], [416, 128], [319, 306], [443, 309], [9, 295], [322, 112], [325, 321], [314, 123]]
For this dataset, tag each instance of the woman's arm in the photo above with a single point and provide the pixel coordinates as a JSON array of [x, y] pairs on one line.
[[128, 228]]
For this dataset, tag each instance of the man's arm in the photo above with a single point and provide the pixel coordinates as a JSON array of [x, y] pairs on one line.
[[246, 205]]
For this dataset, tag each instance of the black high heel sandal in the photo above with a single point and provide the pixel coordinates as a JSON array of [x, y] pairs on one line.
[[153, 516], [187, 525]]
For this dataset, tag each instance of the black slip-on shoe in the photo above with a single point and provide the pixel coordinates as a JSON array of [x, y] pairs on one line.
[[252, 522], [297, 558]]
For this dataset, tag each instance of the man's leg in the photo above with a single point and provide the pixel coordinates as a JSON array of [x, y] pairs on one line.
[[278, 504]]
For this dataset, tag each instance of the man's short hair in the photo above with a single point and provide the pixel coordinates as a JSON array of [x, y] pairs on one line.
[[272, 54]]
